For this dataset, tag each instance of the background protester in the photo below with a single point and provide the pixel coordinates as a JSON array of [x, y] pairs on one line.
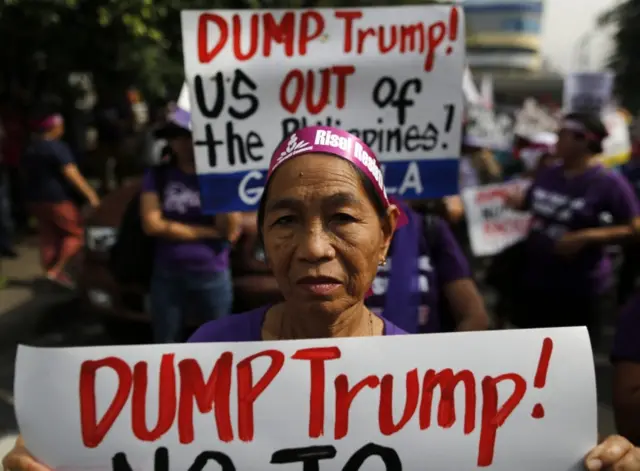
[[191, 272], [625, 357], [54, 190], [426, 284], [578, 208]]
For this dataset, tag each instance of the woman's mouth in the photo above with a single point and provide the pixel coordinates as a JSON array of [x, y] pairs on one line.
[[319, 285]]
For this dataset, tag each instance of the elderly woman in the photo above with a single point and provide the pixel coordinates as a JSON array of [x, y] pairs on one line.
[[327, 225]]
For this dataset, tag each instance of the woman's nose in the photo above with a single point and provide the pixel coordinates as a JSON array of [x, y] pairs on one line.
[[315, 244]]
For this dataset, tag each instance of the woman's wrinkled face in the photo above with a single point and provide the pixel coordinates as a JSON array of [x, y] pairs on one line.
[[323, 237]]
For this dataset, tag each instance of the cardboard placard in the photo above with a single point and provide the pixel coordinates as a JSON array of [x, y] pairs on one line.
[[391, 75], [589, 92], [491, 224], [501, 400]]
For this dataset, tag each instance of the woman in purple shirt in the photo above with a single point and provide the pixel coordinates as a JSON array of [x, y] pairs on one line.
[[577, 207], [191, 274]]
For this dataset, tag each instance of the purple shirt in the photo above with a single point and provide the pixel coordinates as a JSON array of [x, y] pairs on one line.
[[247, 327], [437, 266], [181, 203], [561, 205], [626, 344]]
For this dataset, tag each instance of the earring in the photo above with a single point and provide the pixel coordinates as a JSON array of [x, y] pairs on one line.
[[382, 262]]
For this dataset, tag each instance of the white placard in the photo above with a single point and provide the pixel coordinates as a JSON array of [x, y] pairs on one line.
[[532, 119], [587, 91], [500, 400], [492, 226], [391, 75], [486, 130]]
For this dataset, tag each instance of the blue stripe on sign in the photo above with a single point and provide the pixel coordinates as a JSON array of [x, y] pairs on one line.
[[497, 8], [241, 191]]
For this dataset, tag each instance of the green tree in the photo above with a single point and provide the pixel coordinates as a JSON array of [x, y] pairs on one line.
[[625, 60]]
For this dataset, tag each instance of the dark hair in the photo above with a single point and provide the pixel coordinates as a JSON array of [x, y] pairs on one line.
[[593, 124], [368, 186]]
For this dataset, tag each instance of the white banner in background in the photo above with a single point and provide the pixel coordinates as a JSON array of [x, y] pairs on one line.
[[500, 400], [532, 119], [391, 75], [485, 129], [492, 226], [617, 147], [587, 91], [469, 89]]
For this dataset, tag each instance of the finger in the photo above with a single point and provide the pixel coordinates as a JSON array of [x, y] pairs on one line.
[[609, 451], [20, 459], [629, 462]]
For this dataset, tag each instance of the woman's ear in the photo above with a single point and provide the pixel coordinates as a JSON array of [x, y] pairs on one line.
[[389, 227]]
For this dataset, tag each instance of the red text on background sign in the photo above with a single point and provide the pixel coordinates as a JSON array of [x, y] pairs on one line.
[[296, 29], [176, 404], [304, 87], [494, 194], [507, 226]]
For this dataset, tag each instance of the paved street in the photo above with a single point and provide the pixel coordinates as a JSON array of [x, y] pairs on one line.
[[40, 317]]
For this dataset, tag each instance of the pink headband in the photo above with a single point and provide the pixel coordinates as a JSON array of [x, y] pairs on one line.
[[333, 141], [576, 126], [49, 122]]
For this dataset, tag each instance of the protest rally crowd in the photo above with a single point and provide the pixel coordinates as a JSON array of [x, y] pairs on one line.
[[351, 258]]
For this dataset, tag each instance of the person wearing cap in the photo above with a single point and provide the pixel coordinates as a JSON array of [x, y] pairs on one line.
[[327, 224], [578, 207], [191, 273], [54, 190]]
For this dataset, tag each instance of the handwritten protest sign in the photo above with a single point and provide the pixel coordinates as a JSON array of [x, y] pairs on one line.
[[532, 119], [392, 76], [492, 226], [587, 91], [521, 400]]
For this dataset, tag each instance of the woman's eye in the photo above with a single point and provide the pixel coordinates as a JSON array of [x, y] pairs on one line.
[[344, 217], [284, 220]]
